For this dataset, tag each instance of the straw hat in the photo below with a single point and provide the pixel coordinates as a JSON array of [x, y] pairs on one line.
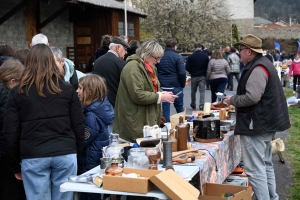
[[252, 42]]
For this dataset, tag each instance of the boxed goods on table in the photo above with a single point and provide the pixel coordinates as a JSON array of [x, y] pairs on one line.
[[212, 191], [175, 187], [236, 180], [126, 184]]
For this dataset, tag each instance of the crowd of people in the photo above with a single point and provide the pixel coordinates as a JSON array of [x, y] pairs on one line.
[[55, 120]]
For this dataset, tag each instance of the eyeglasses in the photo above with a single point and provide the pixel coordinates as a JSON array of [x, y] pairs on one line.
[[242, 49], [157, 59]]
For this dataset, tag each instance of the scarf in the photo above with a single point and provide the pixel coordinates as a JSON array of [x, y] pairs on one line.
[[152, 76]]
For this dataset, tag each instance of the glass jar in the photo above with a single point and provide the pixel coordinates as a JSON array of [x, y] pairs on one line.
[[154, 155], [114, 170], [137, 159], [115, 149]]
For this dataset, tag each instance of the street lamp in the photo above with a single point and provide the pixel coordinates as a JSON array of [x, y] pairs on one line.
[[231, 30], [125, 17]]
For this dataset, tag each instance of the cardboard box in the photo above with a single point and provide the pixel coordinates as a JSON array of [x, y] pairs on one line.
[[214, 191], [125, 184], [175, 118], [175, 187], [236, 180]]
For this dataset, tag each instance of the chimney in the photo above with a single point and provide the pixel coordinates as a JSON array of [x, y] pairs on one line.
[[294, 22], [290, 21]]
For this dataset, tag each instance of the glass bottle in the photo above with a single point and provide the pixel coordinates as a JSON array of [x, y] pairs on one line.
[[182, 134]]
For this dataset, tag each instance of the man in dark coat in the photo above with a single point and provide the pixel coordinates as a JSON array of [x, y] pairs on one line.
[[196, 65], [110, 65], [172, 77]]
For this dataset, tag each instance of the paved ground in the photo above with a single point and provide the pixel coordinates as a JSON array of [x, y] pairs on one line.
[[283, 172]]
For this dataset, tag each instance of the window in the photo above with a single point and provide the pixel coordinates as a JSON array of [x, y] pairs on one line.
[[121, 28], [130, 29]]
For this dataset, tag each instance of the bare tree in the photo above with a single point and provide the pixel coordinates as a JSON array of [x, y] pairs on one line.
[[187, 21]]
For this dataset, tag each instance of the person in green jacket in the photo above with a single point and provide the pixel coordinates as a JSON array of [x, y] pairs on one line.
[[139, 96]]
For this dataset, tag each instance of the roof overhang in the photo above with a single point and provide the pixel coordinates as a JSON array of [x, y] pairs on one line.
[[113, 4]]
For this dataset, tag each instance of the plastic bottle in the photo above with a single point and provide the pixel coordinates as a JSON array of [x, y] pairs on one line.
[[182, 133]]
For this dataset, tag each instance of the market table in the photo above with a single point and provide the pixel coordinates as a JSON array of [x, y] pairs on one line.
[[220, 158], [215, 165], [189, 173]]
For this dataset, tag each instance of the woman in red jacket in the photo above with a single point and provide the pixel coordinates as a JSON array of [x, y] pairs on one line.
[[295, 71]]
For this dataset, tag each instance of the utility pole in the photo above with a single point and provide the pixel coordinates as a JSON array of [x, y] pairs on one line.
[[125, 17], [231, 30]]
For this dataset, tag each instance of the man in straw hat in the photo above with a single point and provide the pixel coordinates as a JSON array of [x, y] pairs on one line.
[[261, 110]]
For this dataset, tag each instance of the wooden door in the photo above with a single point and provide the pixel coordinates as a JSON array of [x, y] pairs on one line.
[[83, 44]]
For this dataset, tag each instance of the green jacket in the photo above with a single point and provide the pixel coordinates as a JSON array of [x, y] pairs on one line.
[[136, 103]]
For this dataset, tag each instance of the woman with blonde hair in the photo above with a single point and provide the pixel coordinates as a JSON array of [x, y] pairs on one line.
[[217, 74], [139, 96], [43, 127], [10, 187]]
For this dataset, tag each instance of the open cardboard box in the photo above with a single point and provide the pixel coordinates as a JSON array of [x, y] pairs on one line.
[[126, 184], [175, 118], [175, 187], [236, 180], [168, 181], [212, 191]]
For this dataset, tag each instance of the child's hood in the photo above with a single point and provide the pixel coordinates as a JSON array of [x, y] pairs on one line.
[[103, 110]]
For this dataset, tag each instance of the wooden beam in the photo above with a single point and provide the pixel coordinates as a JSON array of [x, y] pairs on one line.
[[54, 16], [13, 11], [38, 16]]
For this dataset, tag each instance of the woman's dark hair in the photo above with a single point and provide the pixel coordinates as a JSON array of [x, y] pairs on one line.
[[6, 50], [41, 70], [134, 44], [21, 55], [232, 50], [106, 40]]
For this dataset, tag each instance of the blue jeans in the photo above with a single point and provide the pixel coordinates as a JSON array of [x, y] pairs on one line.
[[43, 176], [195, 83], [257, 158], [217, 85], [178, 103]]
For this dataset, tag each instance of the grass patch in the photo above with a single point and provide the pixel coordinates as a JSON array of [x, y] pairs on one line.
[[293, 147]]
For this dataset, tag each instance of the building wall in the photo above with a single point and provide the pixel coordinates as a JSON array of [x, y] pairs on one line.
[[12, 32], [279, 33], [241, 9], [243, 16], [59, 31]]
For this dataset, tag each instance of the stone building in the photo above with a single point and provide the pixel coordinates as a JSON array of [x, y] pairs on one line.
[[242, 14], [75, 26]]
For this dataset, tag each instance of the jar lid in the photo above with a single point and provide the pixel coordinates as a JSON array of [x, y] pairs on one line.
[[137, 152]]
